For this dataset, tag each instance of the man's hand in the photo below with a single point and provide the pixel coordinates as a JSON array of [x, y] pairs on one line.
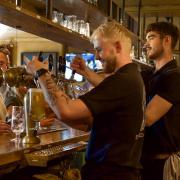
[[47, 122], [78, 64], [34, 65], [4, 128]]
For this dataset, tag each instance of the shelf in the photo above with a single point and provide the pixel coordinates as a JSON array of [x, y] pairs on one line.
[[28, 21], [33, 20], [81, 8], [176, 51], [86, 11]]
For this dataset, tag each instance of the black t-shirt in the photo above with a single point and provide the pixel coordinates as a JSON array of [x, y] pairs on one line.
[[117, 108], [164, 135]]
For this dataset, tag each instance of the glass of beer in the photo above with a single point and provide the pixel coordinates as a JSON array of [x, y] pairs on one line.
[[36, 106]]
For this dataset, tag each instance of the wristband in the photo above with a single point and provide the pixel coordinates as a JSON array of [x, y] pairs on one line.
[[40, 72]]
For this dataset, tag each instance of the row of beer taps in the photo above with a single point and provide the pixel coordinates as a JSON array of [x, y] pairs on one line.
[[16, 76]]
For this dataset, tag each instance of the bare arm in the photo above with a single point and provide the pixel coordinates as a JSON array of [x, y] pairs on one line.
[[93, 77], [71, 112], [156, 108]]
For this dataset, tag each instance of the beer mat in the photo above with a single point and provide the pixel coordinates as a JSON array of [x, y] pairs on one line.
[[51, 129]]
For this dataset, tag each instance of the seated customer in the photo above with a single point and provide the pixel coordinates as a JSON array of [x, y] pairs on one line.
[[16, 101], [9, 102], [4, 128]]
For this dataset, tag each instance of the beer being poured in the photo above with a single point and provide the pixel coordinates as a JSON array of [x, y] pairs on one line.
[[34, 104], [37, 102]]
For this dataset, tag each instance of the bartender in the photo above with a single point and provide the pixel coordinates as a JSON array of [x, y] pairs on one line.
[[113, 110]]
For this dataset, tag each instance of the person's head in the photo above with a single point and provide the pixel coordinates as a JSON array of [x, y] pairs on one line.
[[161, 39], [111, 41], [4, 60], [11, 101]]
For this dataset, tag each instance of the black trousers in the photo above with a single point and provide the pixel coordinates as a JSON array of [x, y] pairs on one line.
[[153, 169], [109, 172]]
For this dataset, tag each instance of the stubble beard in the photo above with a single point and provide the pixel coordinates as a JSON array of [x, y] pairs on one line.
[[109, 64], [156, 54]]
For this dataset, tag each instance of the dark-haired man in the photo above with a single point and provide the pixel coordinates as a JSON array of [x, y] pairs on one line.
[[162, 137]]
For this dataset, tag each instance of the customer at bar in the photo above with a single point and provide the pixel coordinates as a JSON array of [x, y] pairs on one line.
[[4, 65], [113, 110], [162, 137], [4, 128], [4, 58]]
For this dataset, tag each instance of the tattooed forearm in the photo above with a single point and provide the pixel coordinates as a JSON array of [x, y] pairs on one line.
[[52, 89], [66, 98], [52, 92]]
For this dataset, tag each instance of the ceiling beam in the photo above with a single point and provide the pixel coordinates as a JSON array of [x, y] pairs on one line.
[[162, 11]]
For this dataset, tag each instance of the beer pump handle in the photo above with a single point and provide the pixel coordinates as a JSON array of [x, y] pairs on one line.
[[40, 57], [60, 64], [72, 75], [50, 62], [63, 65]]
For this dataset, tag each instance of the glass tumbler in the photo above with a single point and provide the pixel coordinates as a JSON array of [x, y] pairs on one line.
[[17, 121]]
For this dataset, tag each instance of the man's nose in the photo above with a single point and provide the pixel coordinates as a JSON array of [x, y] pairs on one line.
[[144, 48]]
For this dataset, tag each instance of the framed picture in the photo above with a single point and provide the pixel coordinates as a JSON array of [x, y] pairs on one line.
[[44, 55], [50, 57]]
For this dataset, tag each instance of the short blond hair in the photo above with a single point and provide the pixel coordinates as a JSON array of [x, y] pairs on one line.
[[113, 31]]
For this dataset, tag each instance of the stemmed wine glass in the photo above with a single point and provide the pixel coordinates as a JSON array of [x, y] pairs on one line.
[[17, 122]]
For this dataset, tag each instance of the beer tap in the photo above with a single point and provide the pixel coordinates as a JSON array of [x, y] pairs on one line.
[[50, 62]]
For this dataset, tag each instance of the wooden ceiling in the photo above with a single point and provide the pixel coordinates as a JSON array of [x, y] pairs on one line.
[[160, 8]]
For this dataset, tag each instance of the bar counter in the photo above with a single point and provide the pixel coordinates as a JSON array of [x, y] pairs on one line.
[[54, 143]]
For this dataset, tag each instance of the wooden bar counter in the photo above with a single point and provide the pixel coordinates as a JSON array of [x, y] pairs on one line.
[[58, 141]]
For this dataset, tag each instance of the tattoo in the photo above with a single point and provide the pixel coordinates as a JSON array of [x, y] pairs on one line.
[[52, 90], [66, 98]]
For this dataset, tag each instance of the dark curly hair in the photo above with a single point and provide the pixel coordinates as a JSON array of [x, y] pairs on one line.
[[165, 28]]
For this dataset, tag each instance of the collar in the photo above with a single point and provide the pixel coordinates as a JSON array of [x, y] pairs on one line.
[[127, 66], [170, 65]]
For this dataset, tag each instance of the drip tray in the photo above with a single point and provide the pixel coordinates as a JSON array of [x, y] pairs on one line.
[[51, 129]]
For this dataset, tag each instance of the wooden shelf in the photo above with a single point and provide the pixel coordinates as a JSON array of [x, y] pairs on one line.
[[28, 21], [176, 51], [81, 8]]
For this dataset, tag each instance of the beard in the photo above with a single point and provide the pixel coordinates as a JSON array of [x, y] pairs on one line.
[[109, 64], [156, 53]]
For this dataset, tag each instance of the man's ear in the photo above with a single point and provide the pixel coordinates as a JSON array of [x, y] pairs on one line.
[[117, 46], [167, 39]]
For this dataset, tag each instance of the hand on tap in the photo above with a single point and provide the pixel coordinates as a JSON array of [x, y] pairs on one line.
[[78, 64], [34, 65]]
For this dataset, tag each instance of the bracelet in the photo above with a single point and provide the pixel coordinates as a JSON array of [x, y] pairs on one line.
[[40, 72]]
